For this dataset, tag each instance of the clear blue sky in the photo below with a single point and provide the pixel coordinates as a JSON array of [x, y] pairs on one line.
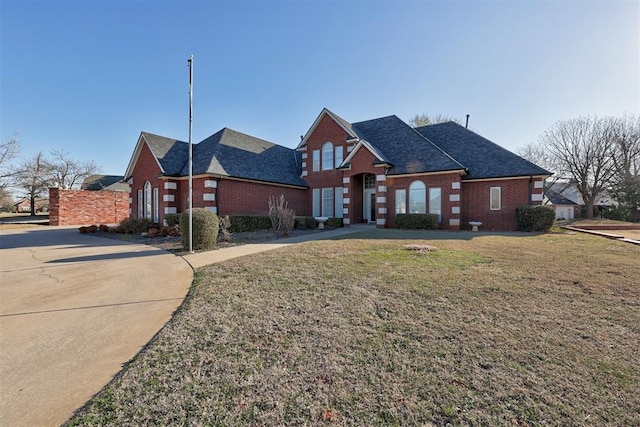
[[88, 76]]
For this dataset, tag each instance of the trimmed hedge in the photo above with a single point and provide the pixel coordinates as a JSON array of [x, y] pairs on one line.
[[205, 229], [172, 219], [535, 218], [242, 223], [334, 222], [135, 225], [417, 221], [305, 223]]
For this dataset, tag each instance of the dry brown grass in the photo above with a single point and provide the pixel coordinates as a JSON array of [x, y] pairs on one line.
[[495, 330]]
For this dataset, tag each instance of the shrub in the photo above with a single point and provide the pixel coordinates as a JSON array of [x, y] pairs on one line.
[[417, 221], [135, 225], [305, 223], [243, 223], [104, 228], [283, 219], [618, 213], [154, 232], [334, 222], [205, 229], [535, 218], [225, 225], [172, 219], [174, 230]]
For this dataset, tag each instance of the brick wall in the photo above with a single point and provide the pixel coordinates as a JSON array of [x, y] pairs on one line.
[[81, 207], [475, 203], [251, 198]]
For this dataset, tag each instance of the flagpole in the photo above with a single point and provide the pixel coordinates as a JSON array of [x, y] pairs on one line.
[[190, 60]]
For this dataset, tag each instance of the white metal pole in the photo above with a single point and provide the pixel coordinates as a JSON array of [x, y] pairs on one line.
[[190, 154]]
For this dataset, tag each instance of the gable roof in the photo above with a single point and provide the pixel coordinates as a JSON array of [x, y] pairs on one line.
[[483, 158], [403, 148], [171, 154], [101, 182], [558, 199], [235, 154], [339, 120]]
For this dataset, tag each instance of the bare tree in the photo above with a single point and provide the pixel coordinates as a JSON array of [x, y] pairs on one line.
[[583, 148], [625, 183], [424, 120], [33, 176], [9, 150], [67, 172]]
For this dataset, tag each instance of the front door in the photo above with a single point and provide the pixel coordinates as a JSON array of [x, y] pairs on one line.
[[369, 213]]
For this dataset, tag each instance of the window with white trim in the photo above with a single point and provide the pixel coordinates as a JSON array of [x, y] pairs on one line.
[[435, 202], [417, 197], [401, 201], [495, 203], [315, 203], [339, 155], [327, 202], [155, 205], [147, 199], [338, 199], [316, 160], [327, 156], [140, 204]]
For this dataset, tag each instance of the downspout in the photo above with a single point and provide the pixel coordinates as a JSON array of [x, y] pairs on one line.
[[530, 190]]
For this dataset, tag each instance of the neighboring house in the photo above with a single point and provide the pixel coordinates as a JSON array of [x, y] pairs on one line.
[[24, 205], [362, 172], [105, 182], [563, 207]]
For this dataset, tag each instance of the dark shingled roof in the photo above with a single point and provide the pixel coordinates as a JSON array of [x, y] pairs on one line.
[[171, 153], [558, 199], [235, 154], [483, 158], [403, 147], [100, 182]]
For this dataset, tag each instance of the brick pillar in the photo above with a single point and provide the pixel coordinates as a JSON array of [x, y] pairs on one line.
[[54, 206], [346, 201], [381, 201]]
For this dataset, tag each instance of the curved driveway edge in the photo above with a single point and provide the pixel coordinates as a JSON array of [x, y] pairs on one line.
[[73, 309]]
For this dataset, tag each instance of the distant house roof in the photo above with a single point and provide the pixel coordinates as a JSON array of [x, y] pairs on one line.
[[104, 182], [229, 153], [558, 199], [482, 158]]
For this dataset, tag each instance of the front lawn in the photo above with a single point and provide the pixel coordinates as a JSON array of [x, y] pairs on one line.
[[493, 330]]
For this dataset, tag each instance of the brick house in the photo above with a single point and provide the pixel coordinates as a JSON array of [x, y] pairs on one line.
[[362, 172]]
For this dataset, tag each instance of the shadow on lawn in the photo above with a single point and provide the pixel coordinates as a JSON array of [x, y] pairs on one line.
[[395, 234]]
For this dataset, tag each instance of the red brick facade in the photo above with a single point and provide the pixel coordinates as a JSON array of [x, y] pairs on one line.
[[252, 198], [81, 207]]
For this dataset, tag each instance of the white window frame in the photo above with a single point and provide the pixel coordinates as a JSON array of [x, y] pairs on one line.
[[316, 160], [147, 200], [495, 205], [401, 201], [327, 202], [414, 188], [140, 203], [339, 155], [315, 202], [155, 205], [339, 194], [435, 210], [327, 156]]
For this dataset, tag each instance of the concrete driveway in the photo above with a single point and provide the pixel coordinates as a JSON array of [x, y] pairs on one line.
[[73, 309]]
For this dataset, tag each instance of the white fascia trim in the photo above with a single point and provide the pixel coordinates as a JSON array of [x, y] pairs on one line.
[[504, 178], [317, 121], [367, 146], [136, 154]]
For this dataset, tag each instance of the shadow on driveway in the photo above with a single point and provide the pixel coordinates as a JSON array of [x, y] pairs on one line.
[[105, 257]]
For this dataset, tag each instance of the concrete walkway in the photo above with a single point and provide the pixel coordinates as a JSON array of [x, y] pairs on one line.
[[201, 259], [73, 309]]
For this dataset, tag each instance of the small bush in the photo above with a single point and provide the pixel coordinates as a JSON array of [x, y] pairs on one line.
[[154, 232], [283, 219], [104, 228], [417, 221], [174, 230], [535, 218], [306, 223], [135, 225], [334, 222], [225, 225], [243, 223], [205, 229], [172, 219]]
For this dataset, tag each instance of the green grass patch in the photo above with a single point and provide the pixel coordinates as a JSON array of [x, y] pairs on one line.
[[485, 330]]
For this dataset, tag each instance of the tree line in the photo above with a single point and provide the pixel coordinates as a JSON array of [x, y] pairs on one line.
[[32, 176]]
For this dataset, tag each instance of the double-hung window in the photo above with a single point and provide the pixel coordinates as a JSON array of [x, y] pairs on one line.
[[495, 196], [327, 202], [316, 160], [417, 197]]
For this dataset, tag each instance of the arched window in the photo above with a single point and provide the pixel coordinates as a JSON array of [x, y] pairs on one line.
[[417, 197], [147, 199], [327, 156]]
